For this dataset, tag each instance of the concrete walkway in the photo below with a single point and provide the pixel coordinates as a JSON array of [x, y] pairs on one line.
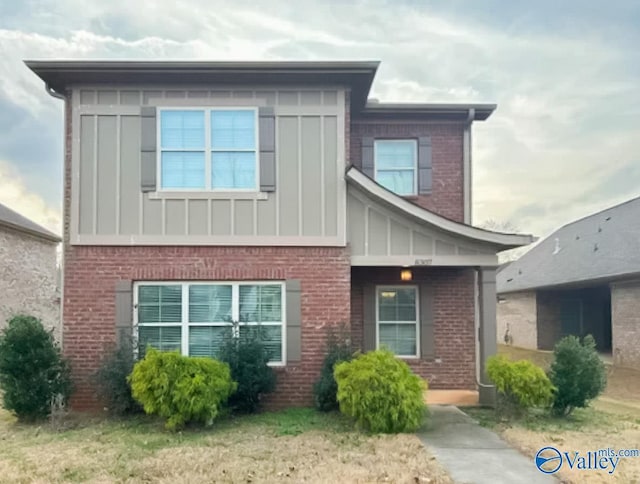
[[474, 454]]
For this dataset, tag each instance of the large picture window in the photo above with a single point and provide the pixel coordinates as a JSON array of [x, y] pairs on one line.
[[208, 149], [196, 317], [397, 319]]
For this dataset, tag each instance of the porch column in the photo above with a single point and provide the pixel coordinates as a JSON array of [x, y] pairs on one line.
[[487, 334]]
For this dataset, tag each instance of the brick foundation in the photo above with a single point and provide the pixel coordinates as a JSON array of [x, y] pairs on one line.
[[454, 365]]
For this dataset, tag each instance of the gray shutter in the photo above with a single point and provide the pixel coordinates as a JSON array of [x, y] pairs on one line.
[[124, 312], [367, 158], [427, 342], [148, 139], [267, 126], [369, 317], [424, 165], [294, 320]]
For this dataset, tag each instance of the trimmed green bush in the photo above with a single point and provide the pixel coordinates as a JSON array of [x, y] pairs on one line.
[[577, 372], [381, 392], [247, 358], [181, 389], [325, 389], [520, 384], [111, 380], [33, 372]]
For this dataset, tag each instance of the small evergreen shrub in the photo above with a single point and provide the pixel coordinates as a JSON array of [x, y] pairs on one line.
[[380, 392], [520, 384], [577, 372], [111, 380], [325, 388], [181, 389], [33, 373], [247, 358]]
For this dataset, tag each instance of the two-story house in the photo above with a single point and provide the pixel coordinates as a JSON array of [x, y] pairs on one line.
[[270, 193]]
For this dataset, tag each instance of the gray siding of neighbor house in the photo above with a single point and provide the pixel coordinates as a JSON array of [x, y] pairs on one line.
[[306, 208], [379, 236], [625, 323], [517, 312], [28, 279]]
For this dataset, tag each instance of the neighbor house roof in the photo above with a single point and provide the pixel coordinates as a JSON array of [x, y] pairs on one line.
[[603, 246], [15, 221], [58, 75]]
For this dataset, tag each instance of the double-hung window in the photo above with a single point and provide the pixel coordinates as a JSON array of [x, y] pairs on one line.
[[196, 317], [397, 319], [396, 163], [208, 149]]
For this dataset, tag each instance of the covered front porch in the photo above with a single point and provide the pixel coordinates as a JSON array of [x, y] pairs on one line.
[[423, 286]]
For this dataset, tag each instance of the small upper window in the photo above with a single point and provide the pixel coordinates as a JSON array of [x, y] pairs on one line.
[[208, 149], [396, 165]]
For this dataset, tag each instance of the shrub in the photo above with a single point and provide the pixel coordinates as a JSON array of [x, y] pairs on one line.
[[181, 389], [520, 384], [380, 392], [247, 357], [33, 373], [111, 380], [326, 388], [577, 372]]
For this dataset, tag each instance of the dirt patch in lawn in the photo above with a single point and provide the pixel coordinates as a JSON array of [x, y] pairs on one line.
[[586, 430], [295, 446]]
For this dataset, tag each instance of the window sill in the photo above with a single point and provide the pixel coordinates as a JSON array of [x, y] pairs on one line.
[[206, 195]]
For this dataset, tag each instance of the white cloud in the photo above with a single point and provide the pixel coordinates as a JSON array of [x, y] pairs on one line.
[[15, 195]]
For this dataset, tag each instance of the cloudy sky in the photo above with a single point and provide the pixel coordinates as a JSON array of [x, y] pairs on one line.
[[564, 142]]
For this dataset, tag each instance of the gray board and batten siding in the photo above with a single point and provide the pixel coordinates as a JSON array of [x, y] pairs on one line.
[[380, 236], [306, 207]]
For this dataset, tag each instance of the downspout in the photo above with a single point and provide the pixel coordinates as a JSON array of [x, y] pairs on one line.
[[466, 166], [60, 281], [476, 304]]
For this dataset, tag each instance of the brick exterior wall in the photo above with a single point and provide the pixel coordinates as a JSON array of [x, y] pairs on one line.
[[28, 278], [625, 318], [447, 197], [91, 274], [516, 311], [454, 365]]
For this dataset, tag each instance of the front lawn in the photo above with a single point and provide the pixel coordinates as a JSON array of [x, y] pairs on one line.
[[298, 445]]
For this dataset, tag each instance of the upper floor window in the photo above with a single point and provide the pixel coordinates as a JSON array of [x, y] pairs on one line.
[[208, 149], [396, 165]]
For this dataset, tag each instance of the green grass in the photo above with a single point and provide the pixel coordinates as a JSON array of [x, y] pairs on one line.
[[541, 421], [293, 421]]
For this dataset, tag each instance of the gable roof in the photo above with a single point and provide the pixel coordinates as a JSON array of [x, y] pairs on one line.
[[605, 245], [500, 241], [15, 221], [58, 75]]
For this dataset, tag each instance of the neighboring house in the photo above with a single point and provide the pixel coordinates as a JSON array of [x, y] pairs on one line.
[[28, 274], [582, 279], [270, 193]]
